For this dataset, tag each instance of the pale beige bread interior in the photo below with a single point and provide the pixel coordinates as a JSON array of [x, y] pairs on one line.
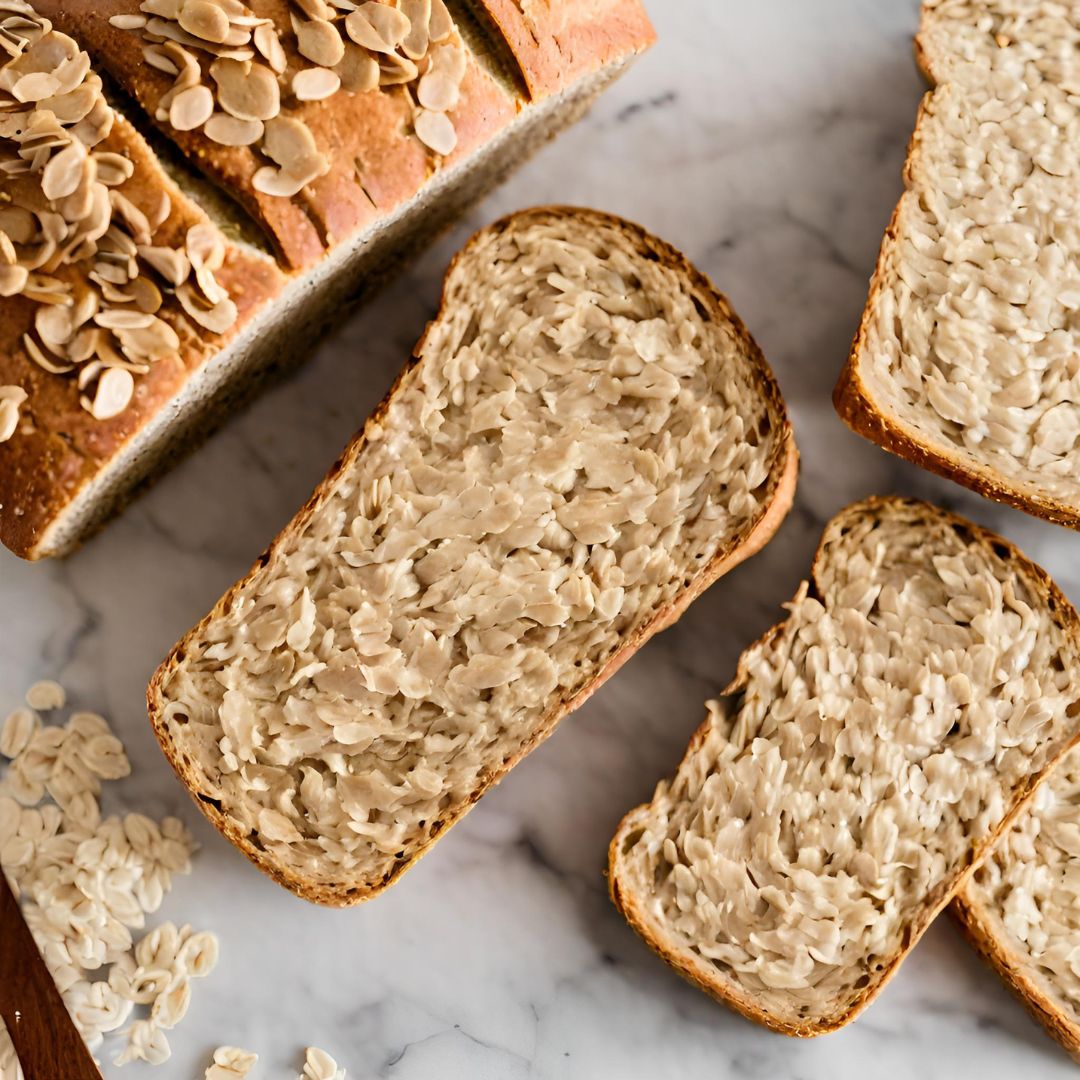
[[869, 749], [279, 337], [588, 439], [1023, 904], [967, 358]]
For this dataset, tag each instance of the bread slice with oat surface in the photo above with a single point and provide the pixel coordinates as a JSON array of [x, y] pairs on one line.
[[868, 753], [1021, 908], [966, 359], [588, 439]]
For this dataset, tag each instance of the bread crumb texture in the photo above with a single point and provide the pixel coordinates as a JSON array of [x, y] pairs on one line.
[[584, 432]]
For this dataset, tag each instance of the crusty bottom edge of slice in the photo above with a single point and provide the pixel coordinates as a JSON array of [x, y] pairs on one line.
[[704, 975], [342, 895], [977, 925]]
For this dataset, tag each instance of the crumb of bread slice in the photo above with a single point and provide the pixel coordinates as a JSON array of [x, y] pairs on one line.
[[869, 751], [589, 438]]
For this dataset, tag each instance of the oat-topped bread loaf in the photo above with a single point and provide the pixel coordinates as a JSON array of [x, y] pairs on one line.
[[118, 293], [966, 360], [338, 137], [324, 117], [870, 749], [589, 438], [1021, 908]]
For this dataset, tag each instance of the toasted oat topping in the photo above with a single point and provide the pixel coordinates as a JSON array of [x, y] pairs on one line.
[[71, 238], [233, 75]]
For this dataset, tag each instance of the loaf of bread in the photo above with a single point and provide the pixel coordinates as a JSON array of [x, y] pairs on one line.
[[1021, 908], [965, 362], [868, 753], [588, 439], [336, 140]]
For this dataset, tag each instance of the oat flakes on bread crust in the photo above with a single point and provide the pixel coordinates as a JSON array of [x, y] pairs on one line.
[[964, 362], [735, 496], [724, 874], [1021, 907]]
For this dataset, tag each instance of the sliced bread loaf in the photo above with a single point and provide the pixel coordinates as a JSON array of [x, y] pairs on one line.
[[588, 439], [965, 362], [1021, 908], [870, 749]]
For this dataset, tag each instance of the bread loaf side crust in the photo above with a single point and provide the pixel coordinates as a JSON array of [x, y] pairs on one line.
[[558, 42], [49, 461], [761, 533], [856, 406], [703, 974]]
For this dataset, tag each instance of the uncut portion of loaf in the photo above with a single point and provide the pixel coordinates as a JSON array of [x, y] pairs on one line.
[[108, 271], [869, 750], [370, 144], [589, 439], [1021, 908], [966, 359]]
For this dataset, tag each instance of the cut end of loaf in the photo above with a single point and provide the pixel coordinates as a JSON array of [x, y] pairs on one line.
[[870, 750], [588, 439]]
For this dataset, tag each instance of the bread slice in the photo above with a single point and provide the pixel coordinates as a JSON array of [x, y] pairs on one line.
[[965, 362], [870, 749], [588, 439], [1021, 908], [384, 196]]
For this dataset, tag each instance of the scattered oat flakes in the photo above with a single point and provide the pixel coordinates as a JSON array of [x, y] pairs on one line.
[[231, 1063], [46, 695]]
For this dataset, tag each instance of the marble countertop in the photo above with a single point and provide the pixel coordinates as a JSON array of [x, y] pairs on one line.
[[766, 141]]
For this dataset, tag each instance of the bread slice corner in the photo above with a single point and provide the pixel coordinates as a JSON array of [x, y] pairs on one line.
[[1021, 907], [932, 375]]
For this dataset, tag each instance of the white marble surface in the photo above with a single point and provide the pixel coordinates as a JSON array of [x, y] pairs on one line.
[[765, 139]]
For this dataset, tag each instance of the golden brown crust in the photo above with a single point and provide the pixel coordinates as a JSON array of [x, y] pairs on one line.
[[703, 974], [376, 161], [785, 468], [855, 404], [557, 41], [49, 461], [990, 942]]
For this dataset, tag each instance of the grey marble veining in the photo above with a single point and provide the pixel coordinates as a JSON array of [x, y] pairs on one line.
[[765, 139]]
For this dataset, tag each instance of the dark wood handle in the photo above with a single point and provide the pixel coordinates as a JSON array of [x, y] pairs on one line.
[[46, 1040]]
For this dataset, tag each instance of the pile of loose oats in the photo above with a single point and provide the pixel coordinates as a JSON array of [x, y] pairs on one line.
[[339, 45], [86, 882]]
